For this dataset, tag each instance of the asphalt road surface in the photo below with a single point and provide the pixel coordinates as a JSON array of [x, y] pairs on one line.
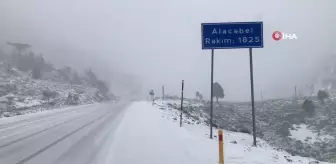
[[78, 135]]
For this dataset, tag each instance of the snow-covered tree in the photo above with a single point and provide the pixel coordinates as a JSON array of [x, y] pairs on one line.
[[218, 91]]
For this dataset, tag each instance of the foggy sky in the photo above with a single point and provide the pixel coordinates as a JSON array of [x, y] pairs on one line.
[[158, 42]]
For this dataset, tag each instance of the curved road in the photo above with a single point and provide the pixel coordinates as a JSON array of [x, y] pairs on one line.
[[77, 135]]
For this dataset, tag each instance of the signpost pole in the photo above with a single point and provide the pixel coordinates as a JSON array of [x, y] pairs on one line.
[[252, 99], [163, 95], [232, 35], [181, 103], [211, 92]]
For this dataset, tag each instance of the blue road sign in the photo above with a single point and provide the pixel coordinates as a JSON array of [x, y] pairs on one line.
[[232, 35]]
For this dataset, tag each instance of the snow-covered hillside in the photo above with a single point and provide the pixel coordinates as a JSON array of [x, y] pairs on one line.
[[282, 123], [151, 134], [21, 94]]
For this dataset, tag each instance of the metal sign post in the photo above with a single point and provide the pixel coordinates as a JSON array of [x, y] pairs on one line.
[[163, 94], [211, 92], [252, 99], [233, 35], [181, 103]]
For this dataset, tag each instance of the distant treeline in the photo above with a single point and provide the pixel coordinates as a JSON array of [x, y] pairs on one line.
[[25, 60]]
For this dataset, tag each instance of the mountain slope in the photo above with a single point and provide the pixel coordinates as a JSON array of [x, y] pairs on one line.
[[20, 94]]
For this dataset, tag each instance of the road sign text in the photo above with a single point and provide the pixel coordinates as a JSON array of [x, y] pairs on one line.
[[232, 35]]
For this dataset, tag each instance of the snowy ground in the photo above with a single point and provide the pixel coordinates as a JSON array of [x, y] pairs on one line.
[[304, 134], [20, 94], [150, 134], [76, 135], [7, 120], [281, 123]]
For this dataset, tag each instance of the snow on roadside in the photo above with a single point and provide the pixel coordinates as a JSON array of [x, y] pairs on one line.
[[144, 137], [305, 135], [6, 120], [27, 103], [150, 134]]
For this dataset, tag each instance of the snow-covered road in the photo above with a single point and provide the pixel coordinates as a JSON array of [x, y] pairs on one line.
[[120, 133], [75, 135]]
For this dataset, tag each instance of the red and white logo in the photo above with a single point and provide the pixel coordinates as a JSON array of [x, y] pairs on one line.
[[277, 35]]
